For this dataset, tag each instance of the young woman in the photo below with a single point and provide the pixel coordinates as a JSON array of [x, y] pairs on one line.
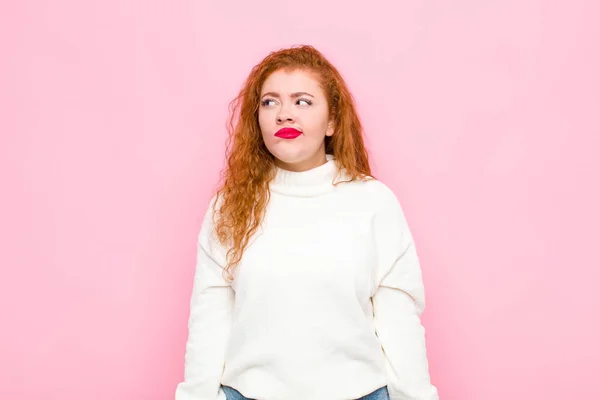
[[307, 284]]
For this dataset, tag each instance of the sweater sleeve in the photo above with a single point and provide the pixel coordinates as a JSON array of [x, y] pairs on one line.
[[209, 323], [398, 302]]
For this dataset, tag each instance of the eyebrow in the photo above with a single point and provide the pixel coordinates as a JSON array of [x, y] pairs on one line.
[[293, 95]]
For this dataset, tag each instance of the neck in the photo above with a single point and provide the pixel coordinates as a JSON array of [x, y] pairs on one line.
[[306, 183], [317, 160]]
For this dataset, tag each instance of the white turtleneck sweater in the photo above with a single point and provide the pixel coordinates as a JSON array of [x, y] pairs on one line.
[[325, 304]]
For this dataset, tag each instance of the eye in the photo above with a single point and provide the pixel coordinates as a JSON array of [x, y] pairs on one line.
[[306, 101], [266, 102]]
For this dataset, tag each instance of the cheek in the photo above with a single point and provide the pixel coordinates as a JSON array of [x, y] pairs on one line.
[[318, 123], [263, 120], [265, 126]]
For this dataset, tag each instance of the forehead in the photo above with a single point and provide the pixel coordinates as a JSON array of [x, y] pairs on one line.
[[283, 81]]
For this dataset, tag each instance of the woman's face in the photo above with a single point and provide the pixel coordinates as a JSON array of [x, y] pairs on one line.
[[294, 100]]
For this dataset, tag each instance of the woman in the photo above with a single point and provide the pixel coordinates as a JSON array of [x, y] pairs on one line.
[[307, 285]]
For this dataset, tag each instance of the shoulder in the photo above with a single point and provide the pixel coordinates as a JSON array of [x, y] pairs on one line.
[[210, 210], [380, 190], [207, 235], [210, 217], [373, 192]]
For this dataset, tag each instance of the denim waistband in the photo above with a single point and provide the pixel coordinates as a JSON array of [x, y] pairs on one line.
[[379, 394]]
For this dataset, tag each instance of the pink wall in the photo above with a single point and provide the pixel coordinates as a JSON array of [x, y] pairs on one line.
[[482, 116]]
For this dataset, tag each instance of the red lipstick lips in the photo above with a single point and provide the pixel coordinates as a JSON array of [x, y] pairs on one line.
[[288, 133]]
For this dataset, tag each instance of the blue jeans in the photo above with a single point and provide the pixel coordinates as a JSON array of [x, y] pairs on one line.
[[379, 394]]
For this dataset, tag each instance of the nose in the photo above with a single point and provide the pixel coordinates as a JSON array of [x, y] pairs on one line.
[[284, 115]]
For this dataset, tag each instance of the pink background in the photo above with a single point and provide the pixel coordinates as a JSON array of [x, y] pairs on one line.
[[482, 116]]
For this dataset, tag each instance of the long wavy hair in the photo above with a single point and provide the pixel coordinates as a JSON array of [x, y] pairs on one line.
[[243, 192]]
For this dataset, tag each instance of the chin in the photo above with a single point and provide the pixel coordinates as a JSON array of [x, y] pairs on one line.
[[291, 157], [290, 160], [296, 154]]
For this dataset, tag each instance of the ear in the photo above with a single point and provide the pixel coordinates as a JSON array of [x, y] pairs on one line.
[[330, 128]]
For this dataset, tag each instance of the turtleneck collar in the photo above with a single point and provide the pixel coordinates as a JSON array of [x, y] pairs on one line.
[[313, 182]]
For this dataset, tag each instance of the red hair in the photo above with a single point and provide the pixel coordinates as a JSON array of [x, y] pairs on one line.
[[243, 193]]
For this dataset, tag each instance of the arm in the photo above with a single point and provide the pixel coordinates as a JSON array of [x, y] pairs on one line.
[[209, 322], [398, 302]]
